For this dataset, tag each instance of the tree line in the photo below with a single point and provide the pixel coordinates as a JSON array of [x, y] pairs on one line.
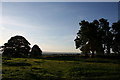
[[98, 37], [18, 46]]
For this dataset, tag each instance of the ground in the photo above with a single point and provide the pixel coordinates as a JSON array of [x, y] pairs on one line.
[[60, 68]]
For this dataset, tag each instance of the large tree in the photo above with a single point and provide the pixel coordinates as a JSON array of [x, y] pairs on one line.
[[86, 37], [116, 37], [16, 46], [106, 35], [94, 37]]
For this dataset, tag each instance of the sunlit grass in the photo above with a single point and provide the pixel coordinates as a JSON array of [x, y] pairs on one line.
[[46, 69]]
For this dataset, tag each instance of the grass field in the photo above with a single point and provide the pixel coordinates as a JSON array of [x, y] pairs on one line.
[[60, 68]]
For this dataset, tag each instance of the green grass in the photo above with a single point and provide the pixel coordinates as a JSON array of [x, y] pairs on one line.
[[60, 68]]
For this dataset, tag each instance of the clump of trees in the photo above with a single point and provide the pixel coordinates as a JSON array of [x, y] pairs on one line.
[[98, 37], [18, 46], [36, 51]]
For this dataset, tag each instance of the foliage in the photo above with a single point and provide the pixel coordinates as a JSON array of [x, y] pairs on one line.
[[16, 46], [36, 51], [116, 38], [98, 36]]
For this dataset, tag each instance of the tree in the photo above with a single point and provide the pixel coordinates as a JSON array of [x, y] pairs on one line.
[[36, 51], [116, 37], [86, 37], [81, 38], [16, 46], [94, 37], [106, 35], [98, 38]]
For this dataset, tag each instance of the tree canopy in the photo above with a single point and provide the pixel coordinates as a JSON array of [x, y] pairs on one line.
[[36, 51], [116, 37], [16, 46], [98, 37]]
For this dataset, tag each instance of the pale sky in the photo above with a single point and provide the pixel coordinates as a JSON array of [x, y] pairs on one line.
[[60, 0], [51, 25]]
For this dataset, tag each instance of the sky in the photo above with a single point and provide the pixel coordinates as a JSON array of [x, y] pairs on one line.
[[60, 0], [51, 25]]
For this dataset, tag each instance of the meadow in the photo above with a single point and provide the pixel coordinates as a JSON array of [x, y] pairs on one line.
[[60, 68]]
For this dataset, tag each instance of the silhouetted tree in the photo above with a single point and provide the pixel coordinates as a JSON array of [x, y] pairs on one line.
[[86, 37], [36, 51], [106, 35], [81, 38], [98, 38], [116, 37], [94, 37], [16, 46]]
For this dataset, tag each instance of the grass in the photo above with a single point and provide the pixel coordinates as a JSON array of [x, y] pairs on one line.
[[60, 68]]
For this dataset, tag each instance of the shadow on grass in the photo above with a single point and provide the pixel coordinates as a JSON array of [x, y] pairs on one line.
[[64, 58], [102, 59], [92, 73], [41, 74], [16, 64]]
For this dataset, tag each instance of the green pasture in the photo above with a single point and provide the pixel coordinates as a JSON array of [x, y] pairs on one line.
[[60, 68]]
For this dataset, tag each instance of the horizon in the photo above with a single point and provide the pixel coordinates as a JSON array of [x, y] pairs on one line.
[[45, 52], [52, 25]]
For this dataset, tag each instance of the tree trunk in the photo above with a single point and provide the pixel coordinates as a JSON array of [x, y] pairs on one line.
[[108, 49], [100, 51], [86, 55], [93, 54]]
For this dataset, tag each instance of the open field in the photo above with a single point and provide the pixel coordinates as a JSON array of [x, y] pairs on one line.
[[60, 68]]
